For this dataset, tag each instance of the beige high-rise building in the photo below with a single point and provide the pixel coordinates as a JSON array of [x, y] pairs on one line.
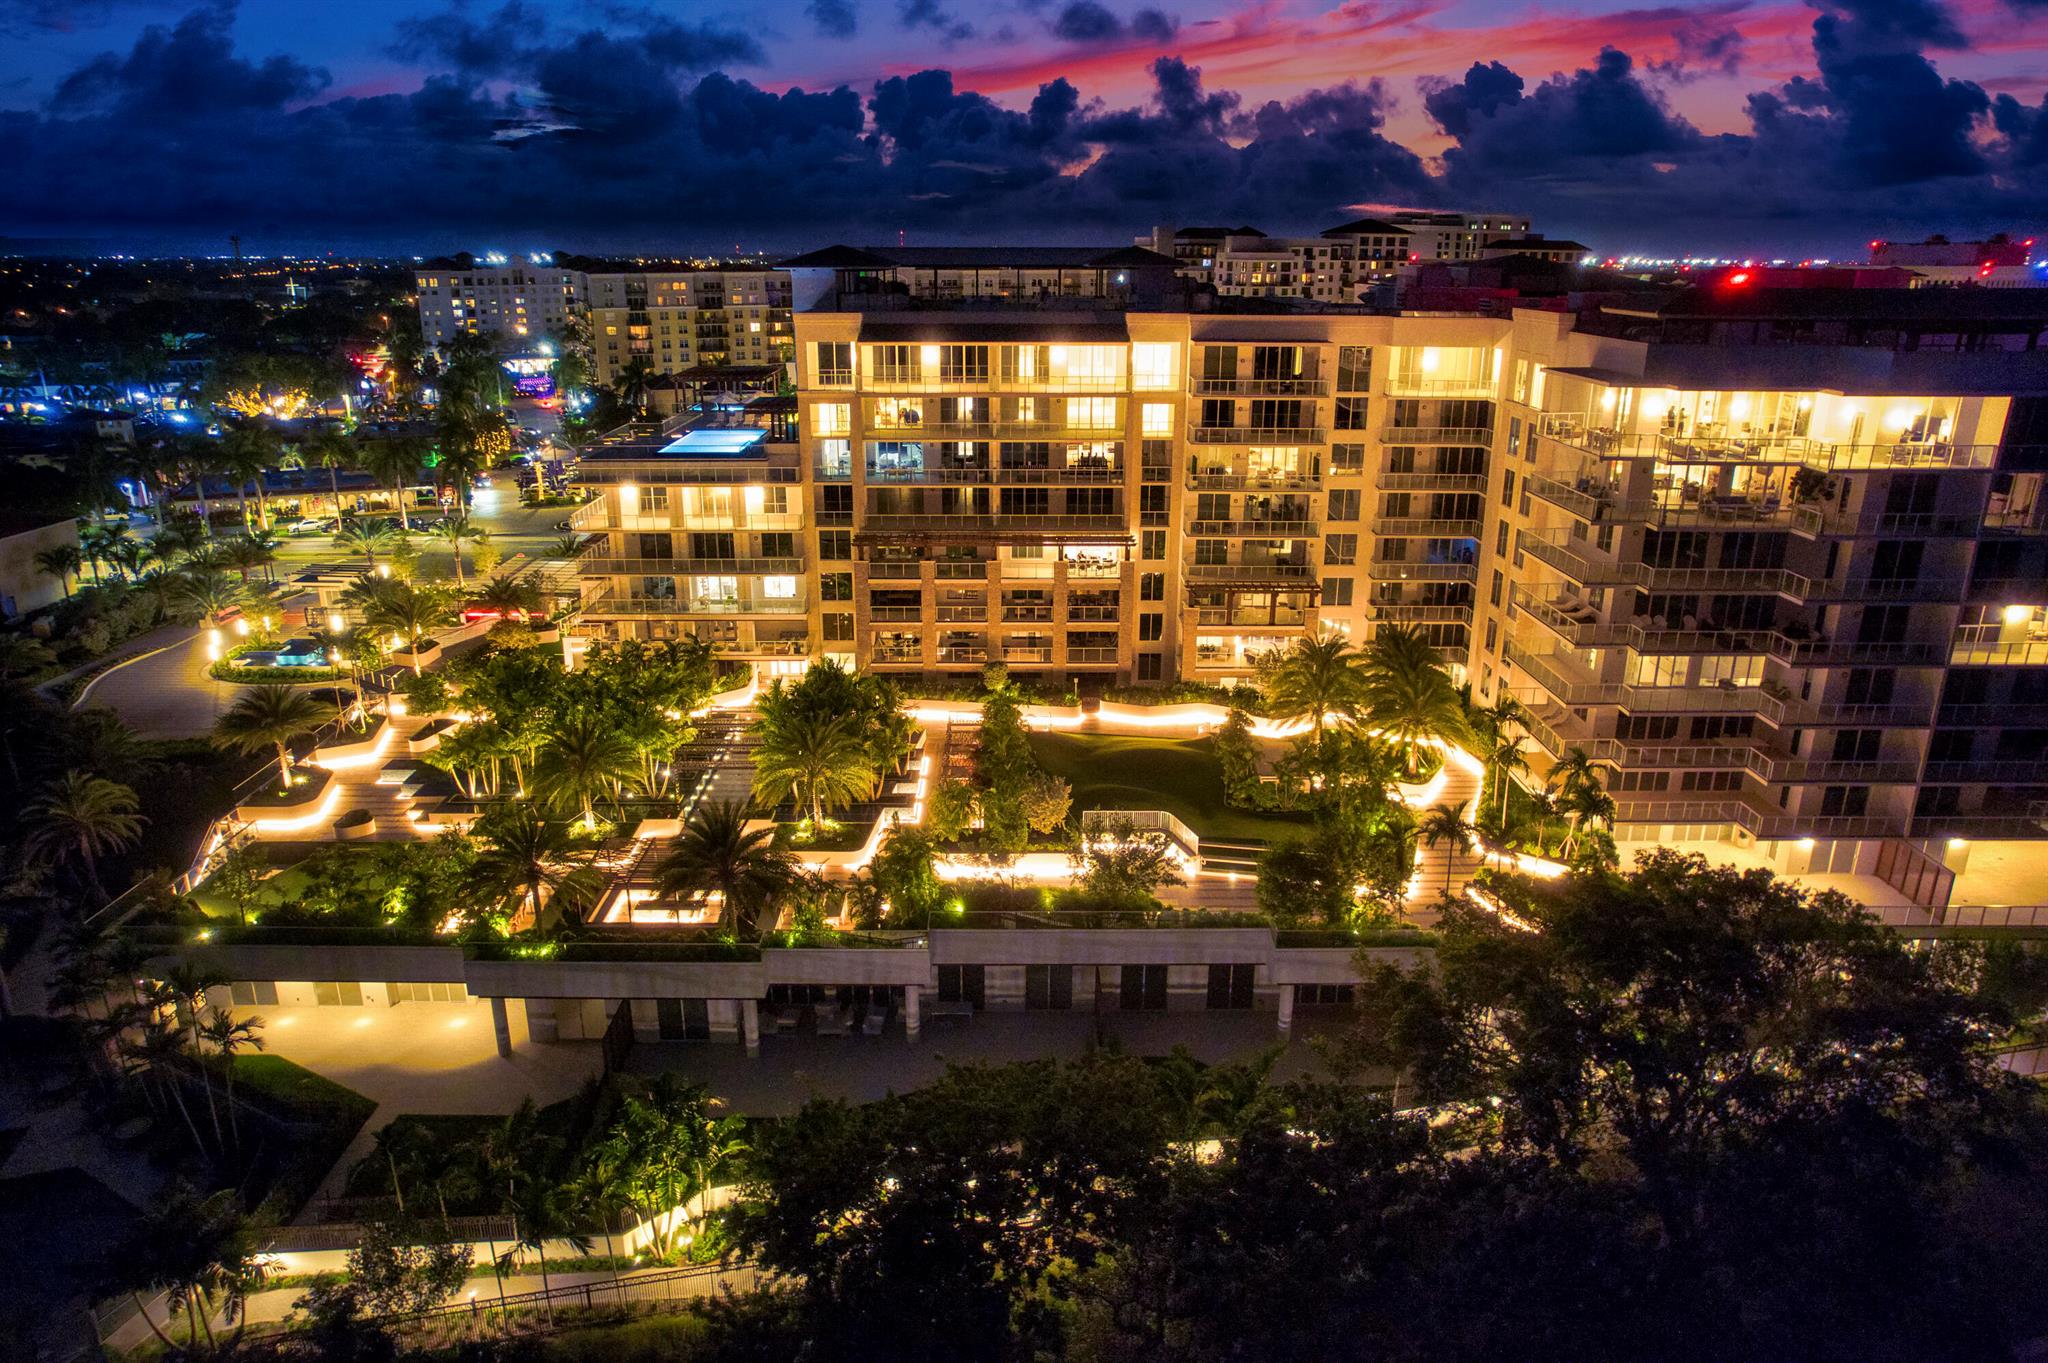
[[1774, 559]]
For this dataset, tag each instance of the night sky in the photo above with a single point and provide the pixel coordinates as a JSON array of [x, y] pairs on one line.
[[423, 125]]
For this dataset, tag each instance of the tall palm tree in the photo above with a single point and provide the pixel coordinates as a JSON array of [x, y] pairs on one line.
[[455, 530], [586, 757], [1575, 768], [269, 717], [203, 1252], [1492, 721], [248, 452], [228, 1035], [716, 853], [83, 817], [1318, 677], [509, 596], [334, 450], [412, 613], [62, 562], [1413, 706], [631, 384], [1445, 823], [247, 553], [526, 854], [368, 538], [1503, 760], [817, 759], [213, 595], [394, 462]]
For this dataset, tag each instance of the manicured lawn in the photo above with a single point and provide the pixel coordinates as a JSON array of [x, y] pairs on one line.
[[1178, 775], [295, 1086]]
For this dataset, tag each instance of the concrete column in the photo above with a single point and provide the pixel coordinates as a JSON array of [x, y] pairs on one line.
[[1286, 1007], [910, 1019], [502, 1025], [750, 1025]]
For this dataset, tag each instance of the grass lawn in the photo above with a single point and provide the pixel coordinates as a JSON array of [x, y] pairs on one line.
[[293, 880], [1178, 775], [297, 1087]]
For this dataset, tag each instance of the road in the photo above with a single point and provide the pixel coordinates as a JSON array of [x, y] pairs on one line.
[[515, 529], [166, 694]]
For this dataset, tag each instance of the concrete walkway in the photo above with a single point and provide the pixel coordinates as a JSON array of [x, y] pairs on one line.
[[165, 693]]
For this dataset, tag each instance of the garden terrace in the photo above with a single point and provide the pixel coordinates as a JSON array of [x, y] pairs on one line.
[[1181, 776]]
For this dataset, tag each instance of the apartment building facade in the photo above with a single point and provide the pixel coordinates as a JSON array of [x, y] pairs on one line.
[[516, 305], [1778, 561], [673, 318]]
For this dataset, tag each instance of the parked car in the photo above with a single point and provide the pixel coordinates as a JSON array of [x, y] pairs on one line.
[[311, 526]]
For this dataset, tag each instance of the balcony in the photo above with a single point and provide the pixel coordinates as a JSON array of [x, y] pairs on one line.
[[1413, 527], [1709, 447], [956, 655], [1093, 473], [1252, 573], [1029, 654], [1433, 482], [896, 615], [2019, 653], [1091, 657], [1420, 386], [962, 614], [1255, 618], [1404, 613], [762, 648], [1870, 771], [1027, 615], [960, 569], [601, 607], [895, 572], [2018, 772], [1586, 499], [1094, 615], [1810, 520], [1571, 690], [1436, 435], [896, 653], [1400, 570], [1265, 480], [1257, 435], [599, 565], [1307, 387], [1256, 529], [1011, 524], [993, 430]]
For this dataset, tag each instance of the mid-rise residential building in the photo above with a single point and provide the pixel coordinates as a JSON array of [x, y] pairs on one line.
[[672, 316], [516, 305], [1344, 264]]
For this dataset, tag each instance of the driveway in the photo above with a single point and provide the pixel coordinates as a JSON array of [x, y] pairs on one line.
[[165, 694]]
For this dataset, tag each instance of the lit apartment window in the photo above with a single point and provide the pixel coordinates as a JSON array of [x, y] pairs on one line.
[[1153, 365], [832, 418], [778, 588], [1092, 414], [1158, 418]]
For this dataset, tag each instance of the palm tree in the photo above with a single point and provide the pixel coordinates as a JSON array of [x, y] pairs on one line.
[[1503, 760], [526, 854], [367, 538], [1575, 768], [269, 717], [631, 384], [61, 562], [1492, 721], [83, 817], [1445, 823], [817, 759], [332, 449], [248, 452], [22, 655], [1414, 706], [202, 1251], [410, 612], [509, 596], [455, 530], [229, 1034], [586, 756], [246, 553], [716, 853], [1318, 677], [213, 595], [394, 462]]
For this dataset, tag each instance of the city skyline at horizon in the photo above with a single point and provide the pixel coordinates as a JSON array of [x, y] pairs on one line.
[[414, 129]]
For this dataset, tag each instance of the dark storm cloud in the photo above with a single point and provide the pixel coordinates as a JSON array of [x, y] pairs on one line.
[[1085, 21], [833, 18], [930, 15], [629, 133]]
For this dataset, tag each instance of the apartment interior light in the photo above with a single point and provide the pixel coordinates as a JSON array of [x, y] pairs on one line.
[[1957, 843], [928, 356], [1805, 404], [2018, 615], [1739, 408], [1607, 400], [1805, 844], [1898, 418], [1430, 359]]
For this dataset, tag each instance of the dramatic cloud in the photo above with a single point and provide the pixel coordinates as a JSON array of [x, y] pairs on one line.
[[641, 132], [833, 18]]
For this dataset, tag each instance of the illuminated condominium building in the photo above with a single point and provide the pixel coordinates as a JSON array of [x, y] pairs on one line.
[[672, 317], [1777, 559]]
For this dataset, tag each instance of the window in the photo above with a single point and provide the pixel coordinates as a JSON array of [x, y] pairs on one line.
[[1153, 365], [251, 993], [1218, 413], [1152, 586], [835, 458], [1339, 549], [1048, 987], [835, 586], [1156, 418], [1230, 986], [1092, 414], [838, 626], [835, 544], [1499, 584], [1351, 414], [1336, 591], [1151, 666], [832, 418], [1354, 368], [338, 993], [1152, 545], [893, 363], [778, 588], [1844, 801], [1492, 636], [963, 984], [1349, 458], [1151, 626], [1143, 988], [1344, 503], [1507, 488]]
